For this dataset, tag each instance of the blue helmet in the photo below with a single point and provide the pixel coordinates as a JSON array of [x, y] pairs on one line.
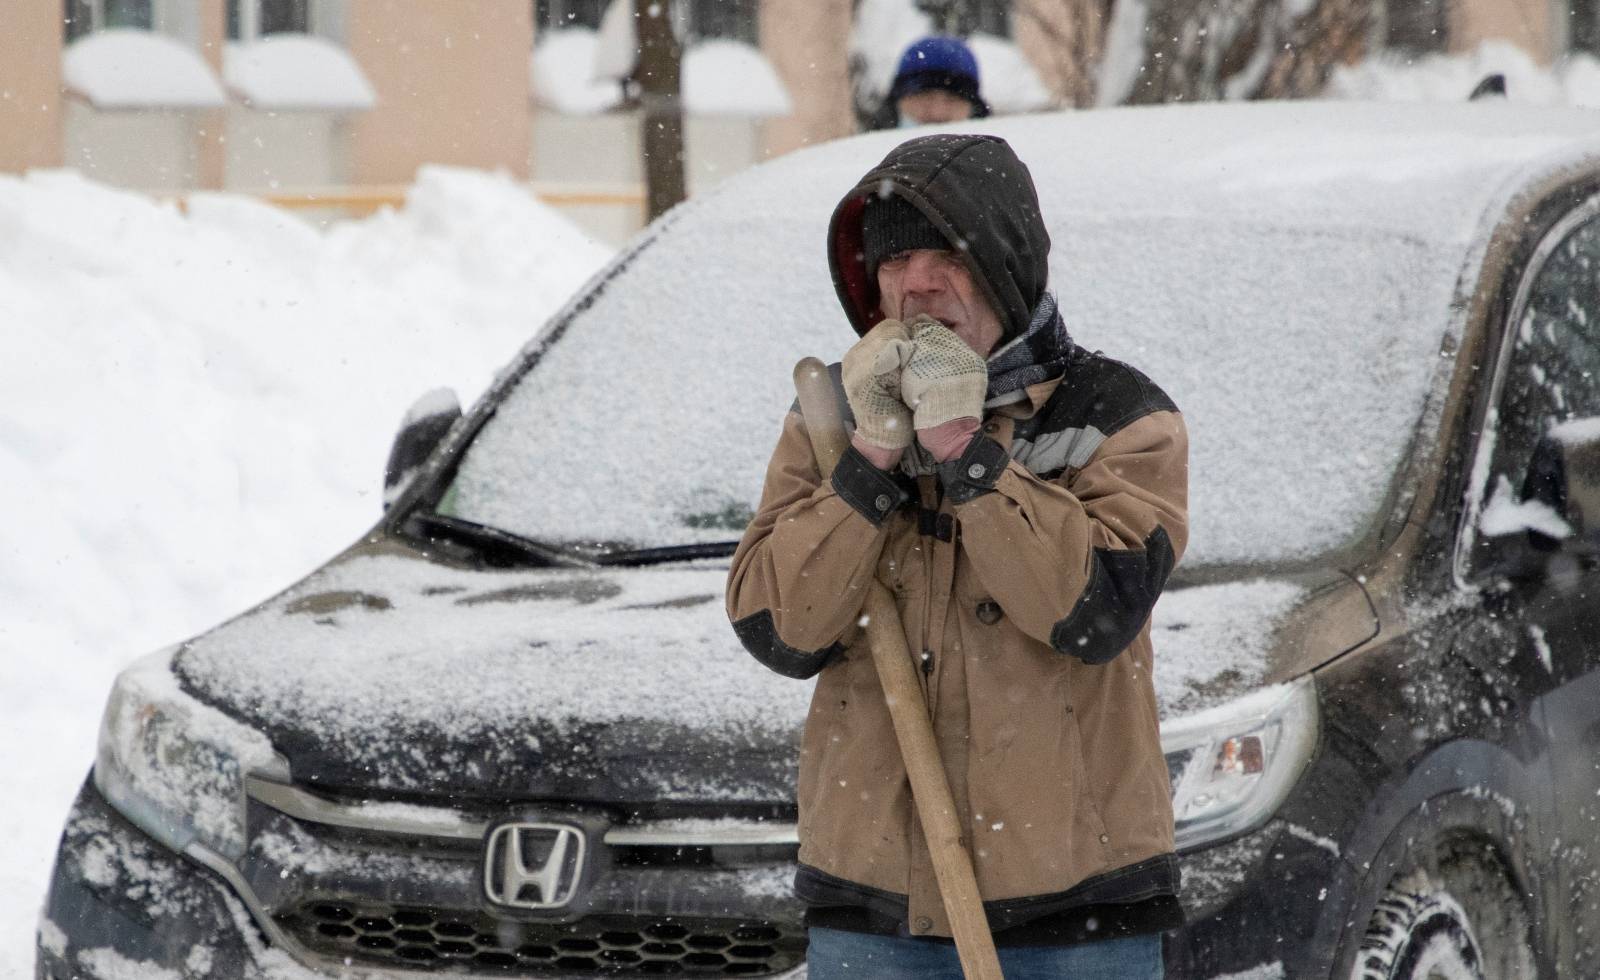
[[939, 62]]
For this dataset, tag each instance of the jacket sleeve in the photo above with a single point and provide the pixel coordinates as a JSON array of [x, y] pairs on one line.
[[800, 573], [1078, 563]]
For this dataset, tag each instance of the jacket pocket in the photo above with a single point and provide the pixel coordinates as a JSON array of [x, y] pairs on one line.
[[1089, 825]]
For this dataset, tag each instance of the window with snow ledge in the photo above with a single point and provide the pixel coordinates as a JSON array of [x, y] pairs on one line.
[[250, 19], [82, 17], [578, 71], [1583, 25], [554, 15], [728, 20], [126, 68], [966, 17], [1413, 26], [284, 55]]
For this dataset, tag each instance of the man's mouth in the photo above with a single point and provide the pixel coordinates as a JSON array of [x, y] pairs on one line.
[[912, 313]]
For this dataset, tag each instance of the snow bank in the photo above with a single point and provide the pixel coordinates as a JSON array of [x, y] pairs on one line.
[[194, 410], [1393, 76], [198, 407], [134, 69], [296, 71]]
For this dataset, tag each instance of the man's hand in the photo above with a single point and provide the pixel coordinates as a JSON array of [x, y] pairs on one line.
[[872, 370], [945, 379]]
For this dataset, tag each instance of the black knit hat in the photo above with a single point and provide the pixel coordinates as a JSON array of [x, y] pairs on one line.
[[890, 225]]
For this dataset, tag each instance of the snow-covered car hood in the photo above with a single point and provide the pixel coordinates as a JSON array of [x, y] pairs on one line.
[[387, 671]]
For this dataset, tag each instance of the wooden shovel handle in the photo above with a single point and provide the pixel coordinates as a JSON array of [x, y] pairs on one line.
[[897, 673]]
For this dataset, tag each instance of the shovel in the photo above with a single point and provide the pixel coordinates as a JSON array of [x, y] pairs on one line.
[[936, 808]]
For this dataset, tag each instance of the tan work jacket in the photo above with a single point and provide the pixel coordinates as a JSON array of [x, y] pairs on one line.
[[1054, 762]]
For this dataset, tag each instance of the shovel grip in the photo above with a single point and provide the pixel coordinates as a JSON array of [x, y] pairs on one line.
[[820, 406]]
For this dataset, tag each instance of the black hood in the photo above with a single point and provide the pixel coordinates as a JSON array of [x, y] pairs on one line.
[[977, 192]]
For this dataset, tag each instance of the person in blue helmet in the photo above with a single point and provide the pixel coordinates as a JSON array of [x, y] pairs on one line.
[[936, 82]]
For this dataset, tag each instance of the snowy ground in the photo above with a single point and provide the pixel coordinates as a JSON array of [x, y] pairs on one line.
[[194, 411]]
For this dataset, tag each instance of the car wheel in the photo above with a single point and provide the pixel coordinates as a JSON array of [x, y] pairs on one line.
[[1419, 937], [1459, 920]]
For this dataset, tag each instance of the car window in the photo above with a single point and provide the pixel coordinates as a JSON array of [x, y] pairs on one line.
[[1552, 371]]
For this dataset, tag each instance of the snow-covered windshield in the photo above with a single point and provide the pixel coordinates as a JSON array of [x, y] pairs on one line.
[[1286, 273]]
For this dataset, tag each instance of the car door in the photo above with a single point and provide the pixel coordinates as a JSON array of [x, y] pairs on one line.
[[1545, 620]]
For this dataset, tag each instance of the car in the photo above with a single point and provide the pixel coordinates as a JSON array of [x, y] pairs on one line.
[[510, 732]]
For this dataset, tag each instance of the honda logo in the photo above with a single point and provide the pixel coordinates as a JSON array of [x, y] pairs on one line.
[[533, 865]]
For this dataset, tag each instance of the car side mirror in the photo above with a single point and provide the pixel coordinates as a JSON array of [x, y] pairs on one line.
[[1558, 508], [421, 431]]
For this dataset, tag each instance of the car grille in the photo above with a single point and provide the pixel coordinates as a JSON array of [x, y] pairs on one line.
[[416, 937]]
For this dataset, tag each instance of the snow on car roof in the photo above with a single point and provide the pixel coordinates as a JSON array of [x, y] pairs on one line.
[[1287, 272]]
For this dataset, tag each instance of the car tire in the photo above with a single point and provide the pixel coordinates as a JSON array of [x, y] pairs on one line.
[[1460, 920], [1419, 937]]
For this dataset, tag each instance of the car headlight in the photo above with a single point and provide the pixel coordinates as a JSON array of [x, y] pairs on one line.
[[1232, 766], [175, 767]]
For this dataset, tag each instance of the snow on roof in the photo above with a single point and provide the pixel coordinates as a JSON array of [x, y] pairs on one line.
[[128, 69], [1394, 75], [731, 78], [1287, 272], [882, 31], [1123, 53], [296, 71], [617, 41], [720, 77], [562, 73], [1006, 78]]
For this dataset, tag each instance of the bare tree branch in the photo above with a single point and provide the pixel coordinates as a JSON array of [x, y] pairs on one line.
[[1200, 50]]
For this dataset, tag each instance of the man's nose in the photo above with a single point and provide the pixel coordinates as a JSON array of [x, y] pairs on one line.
[[924, 272]]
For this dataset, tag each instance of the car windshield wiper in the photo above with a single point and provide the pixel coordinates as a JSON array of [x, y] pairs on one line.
[[660, 556], [488, 544]]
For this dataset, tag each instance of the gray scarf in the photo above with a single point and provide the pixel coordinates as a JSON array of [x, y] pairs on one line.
[[1038, 354]]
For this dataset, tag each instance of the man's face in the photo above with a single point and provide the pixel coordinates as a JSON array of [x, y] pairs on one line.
[[938, 283], [934, 105]]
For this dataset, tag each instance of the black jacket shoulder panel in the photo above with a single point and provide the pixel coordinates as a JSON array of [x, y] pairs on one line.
[[1099, 393]]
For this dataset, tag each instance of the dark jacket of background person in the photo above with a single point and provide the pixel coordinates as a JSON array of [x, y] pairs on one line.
[[1025, 575]]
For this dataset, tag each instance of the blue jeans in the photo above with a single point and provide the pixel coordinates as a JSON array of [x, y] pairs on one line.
[[834, 954]]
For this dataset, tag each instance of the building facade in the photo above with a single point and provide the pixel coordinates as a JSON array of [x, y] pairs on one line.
[[259, 95]]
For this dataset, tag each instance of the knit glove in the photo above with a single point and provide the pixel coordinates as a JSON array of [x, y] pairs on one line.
[[871, 373], [945, 379]]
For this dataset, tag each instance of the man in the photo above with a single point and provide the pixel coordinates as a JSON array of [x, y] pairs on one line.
[[1025, 501], [935, 82]]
